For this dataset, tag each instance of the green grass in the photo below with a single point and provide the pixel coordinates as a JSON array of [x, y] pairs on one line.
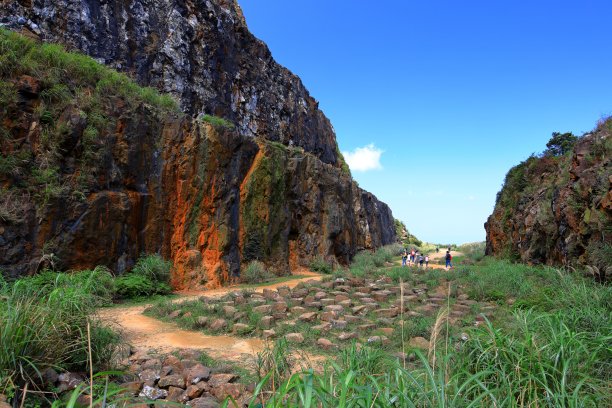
[[320, 265], [217, 121], [44, 320], [255, 272]]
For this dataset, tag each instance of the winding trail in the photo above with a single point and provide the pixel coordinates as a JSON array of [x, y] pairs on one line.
[[146, 333]]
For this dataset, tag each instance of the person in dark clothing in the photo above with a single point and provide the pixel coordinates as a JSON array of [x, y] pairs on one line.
[[448, 258]]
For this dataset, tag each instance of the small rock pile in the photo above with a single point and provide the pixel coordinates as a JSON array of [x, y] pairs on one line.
[[181, 378]]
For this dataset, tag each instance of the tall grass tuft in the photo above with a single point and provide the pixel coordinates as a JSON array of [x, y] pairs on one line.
[[44, 322]]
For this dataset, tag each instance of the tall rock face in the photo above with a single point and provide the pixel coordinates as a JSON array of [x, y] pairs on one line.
[[200, 51], [558, 210], [95, 170]]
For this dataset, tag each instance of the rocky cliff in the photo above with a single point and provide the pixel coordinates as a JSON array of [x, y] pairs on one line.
[[557, 209], [97, 170], [200, 51]]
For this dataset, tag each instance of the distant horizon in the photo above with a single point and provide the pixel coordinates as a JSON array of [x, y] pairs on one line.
[[433, 102]]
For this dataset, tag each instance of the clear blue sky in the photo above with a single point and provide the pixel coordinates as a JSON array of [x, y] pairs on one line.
[[453, 92]]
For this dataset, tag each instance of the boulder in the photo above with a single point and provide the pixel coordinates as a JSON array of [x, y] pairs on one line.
[[218, 324], [325, 344], [196, 374], [295, 338], [152, 393], [174, 380]]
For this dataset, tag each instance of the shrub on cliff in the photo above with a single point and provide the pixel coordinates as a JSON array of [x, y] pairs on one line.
[[255, 272], [560, 144], [217, 121], [150, 276], [319, 264]]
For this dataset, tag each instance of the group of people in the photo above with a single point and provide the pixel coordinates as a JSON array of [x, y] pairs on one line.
[[415, 258]]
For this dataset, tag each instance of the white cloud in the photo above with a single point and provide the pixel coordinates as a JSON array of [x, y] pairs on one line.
[[364, 158]]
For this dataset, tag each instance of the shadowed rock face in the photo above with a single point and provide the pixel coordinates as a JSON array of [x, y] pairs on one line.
[[200, 51], [556, 210], [208, 198], [205, 197]]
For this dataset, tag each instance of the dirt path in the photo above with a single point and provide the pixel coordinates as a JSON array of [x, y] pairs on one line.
[[145, 333]]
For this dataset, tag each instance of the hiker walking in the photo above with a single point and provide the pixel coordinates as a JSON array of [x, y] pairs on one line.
[[404, 257], [412, 256], [421, 259], [448, 258], [426, 261]]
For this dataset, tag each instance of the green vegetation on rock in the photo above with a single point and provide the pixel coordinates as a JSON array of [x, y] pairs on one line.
[[217, 122]]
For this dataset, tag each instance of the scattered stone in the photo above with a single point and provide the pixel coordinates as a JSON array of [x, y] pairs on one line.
[[49, 376], [239, 300], [240, 328], [268, 334], [320, 295], [263, 309], [266, 322], [152, 393], [419, 342], [322, 327], [295, 338], [204, 402], [378, 339], [229, 311], [202, 321], [219, 379], [347, 336], [68, 381], [174, 380], [227, 390], [175, 394], [297, 310], [197, 373], [328, 316], [366, 327], [173, 361], [284, 291], [270, 294], [175, 314], [341, 298], [218, 324], [358, 309], [338, 324], [165, 370], [381, 295], [308, 317], [389, 313], [334, 308], [352, 319], [195, 390], [327, 301], [131, 388], [279, 307], [325, 344]]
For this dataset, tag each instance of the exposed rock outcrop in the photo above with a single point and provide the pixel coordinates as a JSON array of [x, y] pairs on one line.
[[557, 210], [95, 170], [200, 51]]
